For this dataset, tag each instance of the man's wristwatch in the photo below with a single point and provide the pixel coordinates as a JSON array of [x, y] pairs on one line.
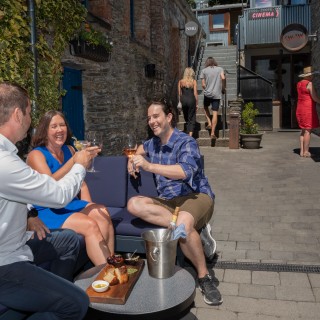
[[32, 213]]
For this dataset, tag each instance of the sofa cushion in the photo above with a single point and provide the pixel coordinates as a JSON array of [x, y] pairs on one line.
[[144, 185], [109, 185], [126, 224]]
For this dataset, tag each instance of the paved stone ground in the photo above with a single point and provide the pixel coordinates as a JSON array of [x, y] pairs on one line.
[[267, 211]]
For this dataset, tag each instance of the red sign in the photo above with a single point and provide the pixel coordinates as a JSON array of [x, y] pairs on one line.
[[294, 37], [266, 13]]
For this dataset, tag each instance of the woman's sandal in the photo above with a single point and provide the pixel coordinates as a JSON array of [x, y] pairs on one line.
[[213, 136], [307, 155]]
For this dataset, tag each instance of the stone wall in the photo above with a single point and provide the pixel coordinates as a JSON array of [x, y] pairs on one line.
[[116, 93], [315, 53]]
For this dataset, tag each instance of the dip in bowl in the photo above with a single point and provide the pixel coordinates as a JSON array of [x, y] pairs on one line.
[[100, 285]]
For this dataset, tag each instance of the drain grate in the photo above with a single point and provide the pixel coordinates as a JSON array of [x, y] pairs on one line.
[[252, 266]]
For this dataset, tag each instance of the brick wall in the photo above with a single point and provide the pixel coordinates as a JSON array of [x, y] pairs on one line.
[[116, 93]]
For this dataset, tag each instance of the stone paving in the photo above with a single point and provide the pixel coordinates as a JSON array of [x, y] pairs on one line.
[[267, 211]]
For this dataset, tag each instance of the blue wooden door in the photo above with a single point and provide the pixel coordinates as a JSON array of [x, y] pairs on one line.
[[72, 103]]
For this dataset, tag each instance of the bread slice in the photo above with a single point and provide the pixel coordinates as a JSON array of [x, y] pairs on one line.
[[122, 274], [110, 275]]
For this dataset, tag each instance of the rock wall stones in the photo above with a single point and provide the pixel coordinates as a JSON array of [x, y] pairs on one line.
[[116, 93]]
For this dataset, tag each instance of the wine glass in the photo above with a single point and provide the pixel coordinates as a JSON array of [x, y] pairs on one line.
[[81, 144], [130, 147], [94, 139]]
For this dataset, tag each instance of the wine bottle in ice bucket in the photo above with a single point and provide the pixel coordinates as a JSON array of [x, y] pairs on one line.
[[168, 235]]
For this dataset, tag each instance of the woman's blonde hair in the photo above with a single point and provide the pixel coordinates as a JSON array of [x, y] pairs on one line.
[[188, 74]]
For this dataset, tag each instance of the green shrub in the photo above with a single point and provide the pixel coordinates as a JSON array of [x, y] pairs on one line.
[[94, 37], [248, 116]]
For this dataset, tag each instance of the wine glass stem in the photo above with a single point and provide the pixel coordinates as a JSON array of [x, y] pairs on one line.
[[133, 165], [92, 167]]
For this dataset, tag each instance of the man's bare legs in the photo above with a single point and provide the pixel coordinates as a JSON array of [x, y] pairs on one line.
[[208, 116], [214, 123], [144, 208]]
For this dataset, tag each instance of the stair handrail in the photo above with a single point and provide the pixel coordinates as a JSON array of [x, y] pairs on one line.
[[255, 74], [259, 76], [195, 58]]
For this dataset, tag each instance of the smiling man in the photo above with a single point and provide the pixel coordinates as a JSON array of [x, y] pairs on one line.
[[23, 285], [176, 162]]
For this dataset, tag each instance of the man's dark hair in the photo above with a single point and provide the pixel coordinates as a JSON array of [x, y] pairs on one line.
[[167, 108], [12, 96]]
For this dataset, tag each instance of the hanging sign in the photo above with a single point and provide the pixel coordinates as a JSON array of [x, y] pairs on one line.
[[294, 37], [191, 28]]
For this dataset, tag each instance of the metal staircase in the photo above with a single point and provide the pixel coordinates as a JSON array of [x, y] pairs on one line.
[[226, 58]]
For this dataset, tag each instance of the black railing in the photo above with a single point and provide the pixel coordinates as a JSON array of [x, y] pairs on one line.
[[198, 51], [257, 89]]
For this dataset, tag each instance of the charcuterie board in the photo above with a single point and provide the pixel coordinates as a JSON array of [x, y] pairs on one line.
[[119, 293]]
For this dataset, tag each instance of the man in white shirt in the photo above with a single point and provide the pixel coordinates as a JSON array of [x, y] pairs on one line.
[[23, 285]]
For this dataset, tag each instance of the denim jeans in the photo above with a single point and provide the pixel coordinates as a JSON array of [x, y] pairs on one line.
[[28, 288]]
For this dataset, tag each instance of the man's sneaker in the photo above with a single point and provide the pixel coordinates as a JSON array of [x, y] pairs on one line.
[[208, 243], [211, 294]]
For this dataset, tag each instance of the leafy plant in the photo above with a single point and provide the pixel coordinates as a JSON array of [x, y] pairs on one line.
[[95, 37], [56, 23], [248, 116]]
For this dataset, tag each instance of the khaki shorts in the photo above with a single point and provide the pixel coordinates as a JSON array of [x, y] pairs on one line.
[[199, 205]]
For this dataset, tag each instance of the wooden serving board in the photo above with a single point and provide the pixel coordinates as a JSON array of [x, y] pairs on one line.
[[119, 293]]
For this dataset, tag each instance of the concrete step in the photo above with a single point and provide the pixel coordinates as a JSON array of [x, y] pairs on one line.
[[220, 142]]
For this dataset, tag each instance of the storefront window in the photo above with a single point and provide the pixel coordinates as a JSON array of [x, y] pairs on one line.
[[218, 21]]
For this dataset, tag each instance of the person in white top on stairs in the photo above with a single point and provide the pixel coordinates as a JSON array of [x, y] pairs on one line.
[[213, 82]]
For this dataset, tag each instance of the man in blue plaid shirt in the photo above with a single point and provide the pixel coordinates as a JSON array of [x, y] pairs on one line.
[[175, 161]]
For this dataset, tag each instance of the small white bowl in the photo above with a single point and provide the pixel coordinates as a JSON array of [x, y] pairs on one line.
[[100, 285]]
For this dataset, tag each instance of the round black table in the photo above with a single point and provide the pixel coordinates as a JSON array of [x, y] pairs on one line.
[[150, 298]]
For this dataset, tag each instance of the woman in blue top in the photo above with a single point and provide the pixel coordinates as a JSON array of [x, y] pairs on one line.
[[54, 157]]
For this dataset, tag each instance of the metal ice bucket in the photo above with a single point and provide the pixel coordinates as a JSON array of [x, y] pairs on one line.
[[161, 254]]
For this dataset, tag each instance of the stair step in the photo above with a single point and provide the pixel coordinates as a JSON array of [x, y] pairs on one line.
[[220, 142]]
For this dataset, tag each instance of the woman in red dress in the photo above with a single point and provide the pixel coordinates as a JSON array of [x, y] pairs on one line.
[[306, 113]]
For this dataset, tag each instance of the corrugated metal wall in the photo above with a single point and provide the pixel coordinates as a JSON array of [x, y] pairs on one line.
[[268, 30], [222, 37], [297, 14]]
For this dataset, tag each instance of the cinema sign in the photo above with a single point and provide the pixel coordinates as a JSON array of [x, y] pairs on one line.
[[267, 13], [294, 37]]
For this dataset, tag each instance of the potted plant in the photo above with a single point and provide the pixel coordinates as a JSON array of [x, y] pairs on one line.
[[91, 44], [249, 134]]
